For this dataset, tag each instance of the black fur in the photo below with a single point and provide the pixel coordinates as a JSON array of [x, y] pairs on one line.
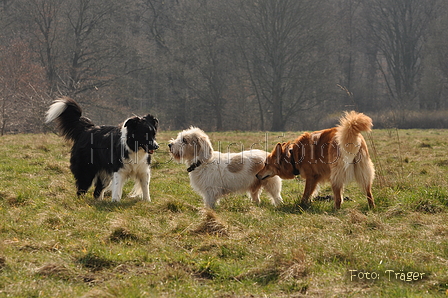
[[100, 151]]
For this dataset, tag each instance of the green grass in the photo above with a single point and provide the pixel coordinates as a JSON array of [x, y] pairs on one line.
[[54, 244]]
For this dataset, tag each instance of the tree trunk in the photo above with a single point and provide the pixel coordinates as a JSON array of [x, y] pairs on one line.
[[218, 115], [277, 113]]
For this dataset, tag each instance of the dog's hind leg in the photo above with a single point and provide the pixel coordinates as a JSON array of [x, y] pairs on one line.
[[99, 187], [370, 196], [273, 186], [364, 175], [83, 183], [337, 192], [367, 187]]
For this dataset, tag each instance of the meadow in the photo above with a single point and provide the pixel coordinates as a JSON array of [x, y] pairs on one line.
[[55, 244]]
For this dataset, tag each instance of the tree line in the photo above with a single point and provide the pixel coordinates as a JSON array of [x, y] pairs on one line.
[[226, 65]]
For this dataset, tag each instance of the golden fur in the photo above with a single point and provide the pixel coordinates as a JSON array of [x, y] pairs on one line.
[[337, 155]]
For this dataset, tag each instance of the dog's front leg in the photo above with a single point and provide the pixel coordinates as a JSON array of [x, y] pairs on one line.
[[310, 187], [144, 184], [210, 199], [117, 187]]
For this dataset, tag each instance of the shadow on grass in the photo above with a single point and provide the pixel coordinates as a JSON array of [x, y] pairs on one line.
[[109, 206], [319, 205], [299, 208], [95, 262]]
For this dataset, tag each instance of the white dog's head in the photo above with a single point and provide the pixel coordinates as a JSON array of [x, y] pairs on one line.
[[191, 145]]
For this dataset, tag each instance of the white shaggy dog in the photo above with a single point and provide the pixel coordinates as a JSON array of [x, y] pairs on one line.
[[214, 174]]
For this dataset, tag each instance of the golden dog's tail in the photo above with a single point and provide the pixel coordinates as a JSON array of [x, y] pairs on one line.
[[348, 132]]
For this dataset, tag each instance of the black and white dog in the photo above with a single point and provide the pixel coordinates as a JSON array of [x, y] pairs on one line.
[[107, 156]]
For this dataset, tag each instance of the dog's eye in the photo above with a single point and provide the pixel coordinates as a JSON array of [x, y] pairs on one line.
[[184, 141]]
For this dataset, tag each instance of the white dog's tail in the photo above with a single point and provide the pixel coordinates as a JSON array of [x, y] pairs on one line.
[[348, 132]]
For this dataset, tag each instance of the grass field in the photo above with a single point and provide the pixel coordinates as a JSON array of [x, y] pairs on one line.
[[54, 244]]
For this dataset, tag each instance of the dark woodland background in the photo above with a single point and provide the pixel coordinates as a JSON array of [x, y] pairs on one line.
[[226, 64]]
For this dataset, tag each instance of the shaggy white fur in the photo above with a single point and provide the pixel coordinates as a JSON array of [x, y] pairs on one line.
[[214, 174]]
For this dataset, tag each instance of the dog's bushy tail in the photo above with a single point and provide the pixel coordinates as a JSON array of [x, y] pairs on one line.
[[68, 116], [348, 131]]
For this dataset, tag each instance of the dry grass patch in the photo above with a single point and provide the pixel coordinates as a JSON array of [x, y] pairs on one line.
[[60, 271], [289, 269], [356, 217], [122, 234], [56, 270], [211, 224], [176, 206]]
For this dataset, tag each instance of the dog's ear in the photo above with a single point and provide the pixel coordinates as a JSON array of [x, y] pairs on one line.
[[152, 120], [290, 150], [297, 152], [204, 148], [131, 122], [278, 151]]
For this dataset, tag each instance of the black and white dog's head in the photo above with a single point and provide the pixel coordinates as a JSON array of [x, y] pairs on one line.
[[140, 132]]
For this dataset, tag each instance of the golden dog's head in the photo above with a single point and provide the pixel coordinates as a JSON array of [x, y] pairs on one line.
[[278, 162]]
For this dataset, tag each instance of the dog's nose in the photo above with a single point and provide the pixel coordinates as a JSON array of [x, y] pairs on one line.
[[169, 145], [259, 177]]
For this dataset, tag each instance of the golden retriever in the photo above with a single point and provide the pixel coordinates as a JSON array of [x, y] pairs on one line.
[[337, 155]]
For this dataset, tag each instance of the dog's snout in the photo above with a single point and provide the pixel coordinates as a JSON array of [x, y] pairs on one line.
[[170, 145], [260, 177]]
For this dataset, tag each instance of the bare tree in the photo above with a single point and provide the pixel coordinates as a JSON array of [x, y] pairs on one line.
[[210, 63], [197, 63], [164, 24], [347, 43], [92, 45], [434, 84], [397, 28], [22, 89], [284, 44], [40, 19], [234, 64]]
